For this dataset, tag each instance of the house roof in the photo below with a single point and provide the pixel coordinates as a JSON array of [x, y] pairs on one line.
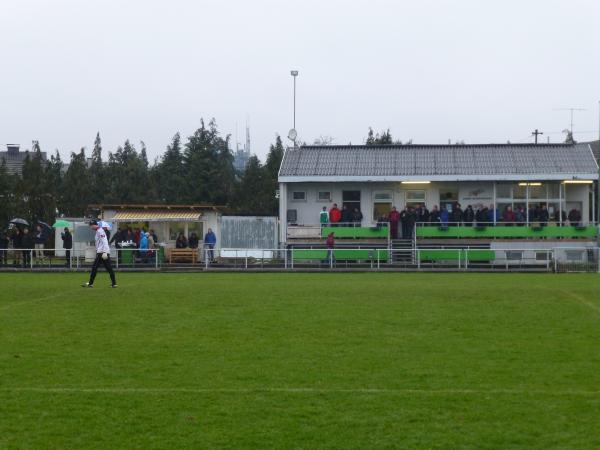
[[595, 145], [438, 162]]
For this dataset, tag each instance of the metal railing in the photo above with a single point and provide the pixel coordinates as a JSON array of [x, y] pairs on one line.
[[556, 259]]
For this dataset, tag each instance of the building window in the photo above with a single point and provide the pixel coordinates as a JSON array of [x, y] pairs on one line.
[[542, 256], [382, 205], [351, 200], [415, 198], [574, 255], [292, 215], [514, 255], [299, 196], [324, 196], [175, 228]]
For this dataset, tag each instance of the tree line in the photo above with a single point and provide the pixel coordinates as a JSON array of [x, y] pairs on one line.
[[196, 170]]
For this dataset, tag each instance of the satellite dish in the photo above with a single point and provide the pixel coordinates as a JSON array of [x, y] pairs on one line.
[[292, 135]]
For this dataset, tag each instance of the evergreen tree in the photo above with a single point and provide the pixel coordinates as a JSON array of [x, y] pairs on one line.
[[7, 196], [77, 186], [30, 190], [383, 138], [270, 182], [168, 174], [53, 187], [127, 177], [97, 170], [251, 195], [208, 167]]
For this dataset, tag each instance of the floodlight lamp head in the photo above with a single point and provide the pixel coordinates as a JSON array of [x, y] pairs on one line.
[[294, 73]]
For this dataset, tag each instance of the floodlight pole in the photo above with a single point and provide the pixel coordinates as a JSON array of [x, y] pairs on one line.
[[294, 74]]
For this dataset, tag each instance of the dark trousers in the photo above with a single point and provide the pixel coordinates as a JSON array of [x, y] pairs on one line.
[[107, 265], [68, 257], [26, 258]]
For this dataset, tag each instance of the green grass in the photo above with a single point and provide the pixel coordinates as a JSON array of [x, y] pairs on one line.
[[300, 361]]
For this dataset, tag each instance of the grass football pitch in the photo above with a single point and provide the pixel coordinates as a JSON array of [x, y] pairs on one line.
[[300, 361]]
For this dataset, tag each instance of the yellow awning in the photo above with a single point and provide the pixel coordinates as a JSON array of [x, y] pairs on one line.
[[156, 215]]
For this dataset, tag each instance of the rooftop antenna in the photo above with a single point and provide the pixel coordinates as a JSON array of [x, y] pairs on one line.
[[571, 110], [536, 133], [247, 146]]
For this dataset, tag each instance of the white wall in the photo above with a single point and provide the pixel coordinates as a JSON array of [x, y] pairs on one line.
[[308, 210]]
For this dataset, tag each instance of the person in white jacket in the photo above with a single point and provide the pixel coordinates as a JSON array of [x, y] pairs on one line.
[[102, 255]]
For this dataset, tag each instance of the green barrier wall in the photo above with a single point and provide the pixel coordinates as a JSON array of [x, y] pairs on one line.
[[453, 255], [340, 255], [507, 232], [355, 232]]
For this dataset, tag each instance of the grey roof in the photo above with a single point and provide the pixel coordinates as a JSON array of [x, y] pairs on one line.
[[14, 160], [438, 162], [595, 149]]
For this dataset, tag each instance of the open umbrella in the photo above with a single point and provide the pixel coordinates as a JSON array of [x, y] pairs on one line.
[[44, 224], [105, 225], [18, 221], [62, 224]]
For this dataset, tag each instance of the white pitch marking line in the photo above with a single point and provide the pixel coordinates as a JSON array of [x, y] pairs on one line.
[[582, 300], [109, 390]]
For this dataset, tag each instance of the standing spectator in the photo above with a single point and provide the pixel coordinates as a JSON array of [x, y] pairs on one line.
[[457, 214], [543, 215], [40, 238], [330, 246], [26, 246], [520, 216], [493, 215], [151, 241], [154, 236], [404, 223], [444, 216], [143, 245], [394, 218], [411, 219], [67, 239], [3, 248], [574, 217], [193, 240], [469, 216], [434, 215], [508, 216], [181, 241], [422, 213], [16, 238], [324, 217], [533, 214], [357, 217], [210, 240], [346, 216], [335, 215]]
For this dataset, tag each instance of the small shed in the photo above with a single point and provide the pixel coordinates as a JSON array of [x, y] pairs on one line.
[[167, 221]]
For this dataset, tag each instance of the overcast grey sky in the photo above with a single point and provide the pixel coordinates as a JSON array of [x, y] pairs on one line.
[[429, 70]]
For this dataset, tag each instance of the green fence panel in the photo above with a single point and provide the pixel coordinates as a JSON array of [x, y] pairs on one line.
[[340, 255], [356, 232], [454, 255], [550, 231]]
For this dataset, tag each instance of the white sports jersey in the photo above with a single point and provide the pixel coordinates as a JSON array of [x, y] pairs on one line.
[[101, 241]]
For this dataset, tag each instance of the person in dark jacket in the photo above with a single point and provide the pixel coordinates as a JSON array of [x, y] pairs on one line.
[[543, 215], [508, 216], [346, 216], [434, 215], [27, 243], [574, 217], [16, 238], [411, 219], [469, 216], [457, 214], [3, 248], [67, 239], [181, 241], [357, 217], [193, 240]]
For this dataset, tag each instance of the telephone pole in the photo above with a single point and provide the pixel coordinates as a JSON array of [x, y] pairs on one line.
[[536, 133]]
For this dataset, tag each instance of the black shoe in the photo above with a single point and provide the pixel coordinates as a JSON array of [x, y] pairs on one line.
[[87, 285]]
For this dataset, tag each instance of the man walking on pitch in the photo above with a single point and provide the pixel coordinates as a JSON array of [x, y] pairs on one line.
[[102, 255]]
